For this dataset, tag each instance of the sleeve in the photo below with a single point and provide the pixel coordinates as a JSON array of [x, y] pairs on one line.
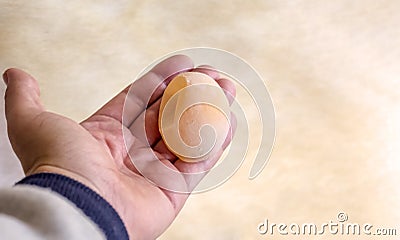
[[53, 206]]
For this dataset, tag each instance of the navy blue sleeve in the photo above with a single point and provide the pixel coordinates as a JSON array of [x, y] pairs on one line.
[[92, 204]]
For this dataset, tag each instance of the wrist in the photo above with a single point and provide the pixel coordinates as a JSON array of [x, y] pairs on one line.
[[47, 168]]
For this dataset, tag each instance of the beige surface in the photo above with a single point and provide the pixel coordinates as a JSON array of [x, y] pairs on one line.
[[332, 68]]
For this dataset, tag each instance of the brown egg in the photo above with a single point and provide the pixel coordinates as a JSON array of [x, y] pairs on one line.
[[194, 116]]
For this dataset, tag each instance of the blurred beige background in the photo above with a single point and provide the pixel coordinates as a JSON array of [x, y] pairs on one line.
[[332, 68]]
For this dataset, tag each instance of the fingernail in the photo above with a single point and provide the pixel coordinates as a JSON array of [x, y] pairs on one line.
[[5, 77]]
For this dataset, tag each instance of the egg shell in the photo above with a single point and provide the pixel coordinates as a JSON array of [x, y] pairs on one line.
[[196, 116]]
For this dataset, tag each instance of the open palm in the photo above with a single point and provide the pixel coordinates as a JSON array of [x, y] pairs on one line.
[[98, 151]]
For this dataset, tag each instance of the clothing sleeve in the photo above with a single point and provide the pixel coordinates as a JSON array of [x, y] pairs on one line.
[[53, 206]]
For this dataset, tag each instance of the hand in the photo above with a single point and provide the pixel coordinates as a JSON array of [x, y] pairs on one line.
[[94, 152]]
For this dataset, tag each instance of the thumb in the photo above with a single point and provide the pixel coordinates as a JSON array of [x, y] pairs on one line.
[[22, 98]]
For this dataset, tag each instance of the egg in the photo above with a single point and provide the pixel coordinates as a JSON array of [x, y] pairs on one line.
[[194, 116]]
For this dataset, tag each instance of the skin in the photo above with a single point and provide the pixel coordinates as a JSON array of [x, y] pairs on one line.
[[94, 151]]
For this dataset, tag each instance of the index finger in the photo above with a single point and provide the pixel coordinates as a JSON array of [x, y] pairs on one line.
[[142, 92]]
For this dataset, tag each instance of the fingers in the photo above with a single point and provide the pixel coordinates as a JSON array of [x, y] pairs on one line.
[[207, 69], [231, 132], [161, 148], [229, 89], [145, 128], [149, 87], [200, 169], [22, 98], [227, 85]]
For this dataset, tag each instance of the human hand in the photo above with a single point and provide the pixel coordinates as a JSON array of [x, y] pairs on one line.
[[94, 152]]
